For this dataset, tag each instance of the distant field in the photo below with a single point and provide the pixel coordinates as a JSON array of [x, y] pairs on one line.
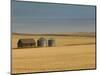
[[72, 51], [61, 39]]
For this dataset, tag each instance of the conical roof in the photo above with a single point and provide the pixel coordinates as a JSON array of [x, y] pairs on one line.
[[43, 39]]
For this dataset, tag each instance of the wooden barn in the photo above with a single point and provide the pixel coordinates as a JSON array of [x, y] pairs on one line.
[[41, 42], [51, 42], [23, 43]]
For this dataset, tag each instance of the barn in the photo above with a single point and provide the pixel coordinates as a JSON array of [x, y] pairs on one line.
[[23, 43], [41, 42], [51, 42]]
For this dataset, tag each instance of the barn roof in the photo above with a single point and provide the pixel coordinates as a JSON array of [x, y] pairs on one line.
[[27, 40]]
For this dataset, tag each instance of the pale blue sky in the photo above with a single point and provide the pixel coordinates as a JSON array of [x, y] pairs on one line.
[[33, 17]]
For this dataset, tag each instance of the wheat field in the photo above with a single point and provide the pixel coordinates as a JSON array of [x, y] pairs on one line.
[[70, 53]]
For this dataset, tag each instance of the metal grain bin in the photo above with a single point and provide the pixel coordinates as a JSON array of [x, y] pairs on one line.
[[42, 42], [51, 42]]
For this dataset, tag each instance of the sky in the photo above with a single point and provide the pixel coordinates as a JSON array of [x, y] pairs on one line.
[[35, 17]]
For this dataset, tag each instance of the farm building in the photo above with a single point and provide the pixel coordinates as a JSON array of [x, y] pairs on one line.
[[42, 42], [51, 42], [26, 43]]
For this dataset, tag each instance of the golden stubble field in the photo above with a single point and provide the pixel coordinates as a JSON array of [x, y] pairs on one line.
[[70, 53]]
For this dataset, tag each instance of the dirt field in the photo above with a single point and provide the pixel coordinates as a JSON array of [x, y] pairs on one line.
[[70, 53]]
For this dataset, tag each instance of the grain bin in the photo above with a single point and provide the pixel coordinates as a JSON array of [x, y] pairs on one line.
[[41, 42], [51, 42]]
